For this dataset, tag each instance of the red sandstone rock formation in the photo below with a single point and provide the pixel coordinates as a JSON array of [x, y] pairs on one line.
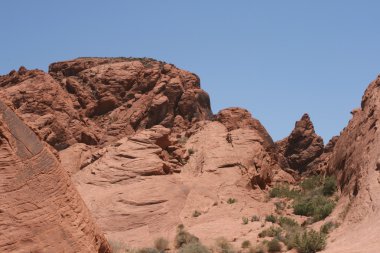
[[100, 100], [355, 163], [302, 146], [40, 209]]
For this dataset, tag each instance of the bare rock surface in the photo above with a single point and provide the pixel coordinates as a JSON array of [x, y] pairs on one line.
[[40, 209], [143, 203], [302, 146]]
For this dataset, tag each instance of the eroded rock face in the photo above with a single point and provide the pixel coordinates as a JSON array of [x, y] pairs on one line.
[[96, 101], [354, 161], [46, 108], [40, 209], [125, 95], [302, 146], [146, 198]]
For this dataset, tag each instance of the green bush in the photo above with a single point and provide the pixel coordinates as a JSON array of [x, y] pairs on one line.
[[310, 242], [329, 186], [161, 244], [327, 227], [283, 191], [223, 246], [271, 232], [287, 222], [271, 218], [231, 201], [318, 207], [246, 244], [274, 246], [194, 247], [183, 237], [311, 183]]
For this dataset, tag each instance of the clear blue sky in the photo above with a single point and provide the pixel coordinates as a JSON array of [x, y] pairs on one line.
[[278, 59]]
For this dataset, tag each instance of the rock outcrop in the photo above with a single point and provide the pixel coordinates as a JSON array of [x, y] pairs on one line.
[[96, 101], [302, 146], [228, 165], [355, 162], [40, 209]]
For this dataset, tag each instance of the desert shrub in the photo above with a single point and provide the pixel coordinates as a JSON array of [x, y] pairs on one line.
[[318, 207], [255, 218], [191, 151], [271, 218], [147, 250], [274, 245], [196, 213], [245, 220], [194, 247], [183, 237], [231, 201], [271, 232], [329, 186], [161, 244], [287, 222], [118, 247], [280, 206], [223, 246], [327, 227], [311, 183], [283, 191], [246, 244], [310, 242]]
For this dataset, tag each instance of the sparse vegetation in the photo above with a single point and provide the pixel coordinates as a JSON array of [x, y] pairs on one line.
[[118, 247], [271, 218], [245, 220], [313, 199], [257, 249], [327, 227], [271, 232], [196, 213], [231, 201], [274, 245], [310, 242], [316, 206], [246, 244], [194, 247], [329, 186], [280, 206], [223, 246], [161, 244], [191, 151], [285, 222], [255, 218], [183, 237], [283, 191], [147, 250]]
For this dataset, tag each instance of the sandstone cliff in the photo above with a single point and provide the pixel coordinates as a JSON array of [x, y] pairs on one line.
[[40, 210]]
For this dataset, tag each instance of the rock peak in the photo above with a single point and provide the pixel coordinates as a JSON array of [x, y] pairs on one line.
[[302, 146]]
